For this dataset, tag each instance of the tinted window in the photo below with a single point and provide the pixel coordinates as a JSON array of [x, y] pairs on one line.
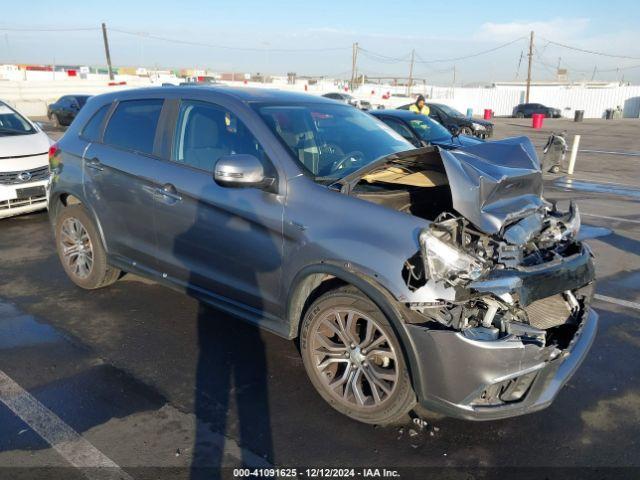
[[12, 123], [93, 128], [399, 127], [133, 125], [428, 129], [206, 132]]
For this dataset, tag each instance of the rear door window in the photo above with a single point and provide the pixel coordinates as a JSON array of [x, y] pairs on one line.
[[93, 128], [133, 125]]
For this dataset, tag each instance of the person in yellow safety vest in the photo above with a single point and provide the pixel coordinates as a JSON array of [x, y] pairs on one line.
[[419, 106]]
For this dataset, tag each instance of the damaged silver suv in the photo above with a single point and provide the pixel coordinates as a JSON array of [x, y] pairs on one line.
[[430, 276]]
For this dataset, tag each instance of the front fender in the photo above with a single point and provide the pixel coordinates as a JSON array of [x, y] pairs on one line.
[[311, 276]]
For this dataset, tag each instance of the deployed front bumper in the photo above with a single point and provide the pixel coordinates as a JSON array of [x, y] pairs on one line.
[[458, 370], [492, 379]]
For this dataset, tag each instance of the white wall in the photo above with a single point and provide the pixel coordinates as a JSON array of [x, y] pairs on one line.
[[33, 95], [594, 101]]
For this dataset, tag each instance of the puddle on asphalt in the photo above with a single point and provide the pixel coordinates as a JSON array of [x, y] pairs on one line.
[[589, 231], [20, 330], [609, 188]]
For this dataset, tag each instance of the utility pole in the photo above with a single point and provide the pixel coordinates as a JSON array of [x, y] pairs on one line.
[[354, 64], [106, 50], [529, 69], [413, 54], [454, 76]]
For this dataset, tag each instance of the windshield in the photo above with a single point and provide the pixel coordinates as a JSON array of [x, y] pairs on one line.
[[331, 141], [452, 112], [12, 123], [428, 129]]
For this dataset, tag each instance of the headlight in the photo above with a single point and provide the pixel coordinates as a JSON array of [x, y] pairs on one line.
[[477, 126], [444, 261]]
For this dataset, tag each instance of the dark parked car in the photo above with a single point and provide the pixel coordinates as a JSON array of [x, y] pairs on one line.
[[528, 109], [422, 130], [407, 275], [455, 121], [350, 99], [65, 109]]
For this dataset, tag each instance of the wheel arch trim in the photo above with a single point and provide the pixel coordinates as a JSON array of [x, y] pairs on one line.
[[54, 206]]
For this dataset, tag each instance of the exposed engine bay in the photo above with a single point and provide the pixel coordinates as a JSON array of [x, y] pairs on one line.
[[490, 231]]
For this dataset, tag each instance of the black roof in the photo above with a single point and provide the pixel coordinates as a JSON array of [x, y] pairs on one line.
[[244, 94]]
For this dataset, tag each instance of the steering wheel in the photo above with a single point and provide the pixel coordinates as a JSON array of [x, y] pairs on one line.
[[355, 156]]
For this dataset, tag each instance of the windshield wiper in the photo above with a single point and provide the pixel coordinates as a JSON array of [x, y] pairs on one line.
[[9, 131]]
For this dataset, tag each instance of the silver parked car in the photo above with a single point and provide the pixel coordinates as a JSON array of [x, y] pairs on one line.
[[431, 276]]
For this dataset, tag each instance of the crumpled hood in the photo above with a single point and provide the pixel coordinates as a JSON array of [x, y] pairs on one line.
[[494, 182]]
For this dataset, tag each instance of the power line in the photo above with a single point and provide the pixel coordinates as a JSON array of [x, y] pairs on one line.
[[384, 58], [592, 52], [477, 54], [223, 47], [46, 29]]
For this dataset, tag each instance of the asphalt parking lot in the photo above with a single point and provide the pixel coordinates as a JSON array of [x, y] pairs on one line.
[[146, 377]]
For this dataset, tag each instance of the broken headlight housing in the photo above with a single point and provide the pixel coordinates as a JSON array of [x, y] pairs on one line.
[[572, 224], [445, 261]]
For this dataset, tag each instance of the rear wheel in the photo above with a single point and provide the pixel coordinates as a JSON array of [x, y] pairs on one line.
[[80, 250], [519, 115], [354, 359]]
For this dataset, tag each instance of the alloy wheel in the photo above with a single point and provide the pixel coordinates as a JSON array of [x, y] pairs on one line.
[[354, 358], [76, 247]]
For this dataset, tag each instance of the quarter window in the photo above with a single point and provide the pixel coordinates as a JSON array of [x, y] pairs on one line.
[[93, 128], [133, 125], [206, 132]]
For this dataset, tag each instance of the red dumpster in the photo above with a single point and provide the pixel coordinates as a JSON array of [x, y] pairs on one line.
[[536, 120], [488, 113]]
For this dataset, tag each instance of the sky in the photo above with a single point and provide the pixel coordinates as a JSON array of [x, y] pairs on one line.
[[312, 37]]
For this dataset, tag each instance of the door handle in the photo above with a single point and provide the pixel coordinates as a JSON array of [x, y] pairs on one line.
[[94, 163], [168, 191]]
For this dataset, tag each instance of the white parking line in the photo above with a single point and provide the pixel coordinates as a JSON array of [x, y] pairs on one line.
[[66, 441], [617, 219], [617, 301]]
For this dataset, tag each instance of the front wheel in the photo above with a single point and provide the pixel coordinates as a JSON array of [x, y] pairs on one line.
[[519, 115], [354, 359], [80, 250], [466, 131]]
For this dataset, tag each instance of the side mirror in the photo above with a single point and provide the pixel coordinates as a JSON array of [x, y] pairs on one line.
[[240, 171]]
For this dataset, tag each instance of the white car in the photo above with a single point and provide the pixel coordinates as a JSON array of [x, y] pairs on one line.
[[24, 164]]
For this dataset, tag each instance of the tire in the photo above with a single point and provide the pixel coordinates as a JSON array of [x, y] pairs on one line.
[[466, 131], [56, 121], [350, 370], [84, 261], [555, 169], [519, 115]]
